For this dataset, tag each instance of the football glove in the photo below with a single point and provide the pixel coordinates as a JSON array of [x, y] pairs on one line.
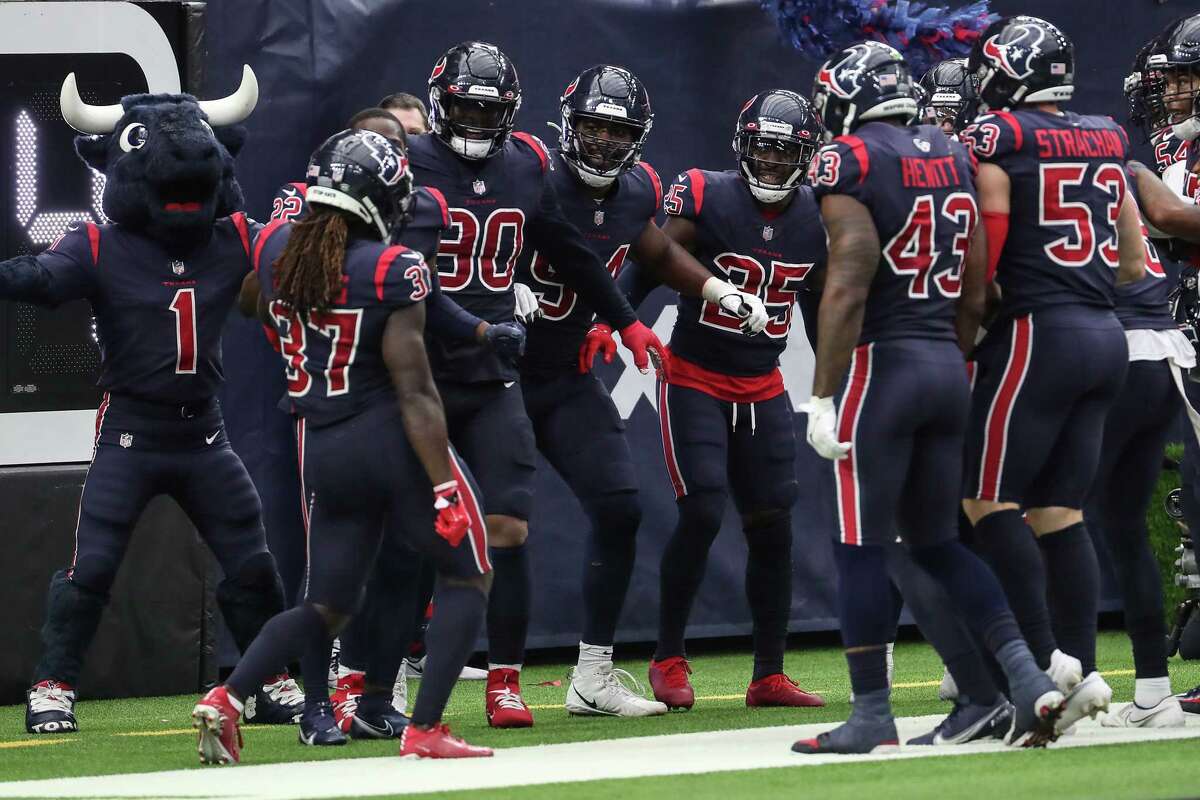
[[598, 341], [452, 520], [528, 308], [822, 428], [506, 339], [747, 307], [645, 346]]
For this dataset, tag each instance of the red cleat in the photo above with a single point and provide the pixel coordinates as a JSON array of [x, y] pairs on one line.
[[345, 697], [778, 690], [216, 718], [669, 680], [505, 708], [437, 742]]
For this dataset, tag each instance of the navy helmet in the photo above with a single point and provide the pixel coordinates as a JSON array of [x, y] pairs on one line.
[[776, 136], [474, 94], [860, 83], [365, 174], [614, 107], [1022, 60]]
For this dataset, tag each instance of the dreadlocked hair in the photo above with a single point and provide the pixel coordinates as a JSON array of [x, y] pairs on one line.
[[308, 274]]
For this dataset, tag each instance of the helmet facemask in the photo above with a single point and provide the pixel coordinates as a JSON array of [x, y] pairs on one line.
[[773, 165], [1177, 100], [599, 148]]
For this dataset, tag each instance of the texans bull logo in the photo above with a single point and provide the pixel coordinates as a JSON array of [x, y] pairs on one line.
[[841, 78], [1015, 57], [392, 164]]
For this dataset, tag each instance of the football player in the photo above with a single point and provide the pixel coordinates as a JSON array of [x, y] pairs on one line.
[[500, 198], [349, 311], [160, 279], [903, 297], [1053, 196], [371, 649], [949, 96], [612, 196], [726, 422]]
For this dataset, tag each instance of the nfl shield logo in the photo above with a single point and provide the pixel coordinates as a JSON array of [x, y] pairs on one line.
[[177, 267], [598, 218], [126, 440], [768, 233], [479, 187]]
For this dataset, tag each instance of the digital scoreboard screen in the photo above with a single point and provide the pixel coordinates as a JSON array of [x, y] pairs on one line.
[[49, 357]]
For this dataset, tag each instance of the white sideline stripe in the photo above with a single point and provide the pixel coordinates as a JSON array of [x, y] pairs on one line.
[[677, 754]]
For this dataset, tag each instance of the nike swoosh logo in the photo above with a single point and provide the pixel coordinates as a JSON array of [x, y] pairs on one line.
[[509, 384], [385, 732], [1150, 712], [213, 438]]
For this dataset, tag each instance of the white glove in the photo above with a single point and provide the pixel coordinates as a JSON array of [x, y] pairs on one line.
[[747, 307], [822, 429], [528, 307]]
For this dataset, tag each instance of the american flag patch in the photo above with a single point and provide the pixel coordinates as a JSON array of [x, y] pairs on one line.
[[887, 79], [1058, 68]]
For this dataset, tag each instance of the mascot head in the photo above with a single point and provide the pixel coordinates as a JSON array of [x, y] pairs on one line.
[[167, 158]]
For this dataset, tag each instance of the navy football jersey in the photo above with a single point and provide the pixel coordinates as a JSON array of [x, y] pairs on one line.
[[158, 315], [609, 226], [1168, 149], [1145, 304], [334, 360], [498, 206], [1067, 175], [918, 186], [429, 215], [760, 252]]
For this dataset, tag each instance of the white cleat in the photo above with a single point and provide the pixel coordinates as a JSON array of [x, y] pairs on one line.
[[603, 691], [1166, 713], [1065, 671], [1089, 697], [416, 668], [400, 690], [948, 690]]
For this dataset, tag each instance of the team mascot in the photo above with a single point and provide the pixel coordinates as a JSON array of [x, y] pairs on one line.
[[161, 278]]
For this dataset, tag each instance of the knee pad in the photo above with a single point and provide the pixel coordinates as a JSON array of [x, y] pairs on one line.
[[615, 516], [769, 533], [94, 573], [250, 597], [702, 511]]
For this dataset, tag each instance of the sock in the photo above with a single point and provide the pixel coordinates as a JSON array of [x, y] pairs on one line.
[[1017, 662], [769, 591], [314, 669], [1073, 590], [1136, 568], [374, 703], [1011, 551], [975, 684], [608, 562], [592, 656], [284, 638], [508, 606], [449, 643], [682, 567], [513, 667], [1149, 692], [391, 610]]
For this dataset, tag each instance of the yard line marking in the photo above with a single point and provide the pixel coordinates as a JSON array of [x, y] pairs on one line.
[[674, 754], [33, 743]]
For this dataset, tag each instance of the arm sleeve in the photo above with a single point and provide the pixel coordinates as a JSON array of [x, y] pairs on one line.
[[636, 283], [562, 244], [446, 319], [64, 271]]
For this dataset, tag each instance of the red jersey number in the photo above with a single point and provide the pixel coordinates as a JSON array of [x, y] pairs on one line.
[[557, 300], [782, 281], [913, 250], [486, 250], [341, 327]]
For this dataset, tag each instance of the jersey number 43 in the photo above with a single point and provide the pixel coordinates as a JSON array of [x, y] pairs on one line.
[[913, 251]]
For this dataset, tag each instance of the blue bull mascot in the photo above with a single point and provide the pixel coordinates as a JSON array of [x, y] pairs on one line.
[[161, 278]]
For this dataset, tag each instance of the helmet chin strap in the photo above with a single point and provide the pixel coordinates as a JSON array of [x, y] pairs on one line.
[[474, 149], [591, 178]]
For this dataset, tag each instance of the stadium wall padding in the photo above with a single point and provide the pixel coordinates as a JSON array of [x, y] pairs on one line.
[[319, 61]]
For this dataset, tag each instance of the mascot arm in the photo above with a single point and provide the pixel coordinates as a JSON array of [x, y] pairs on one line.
[[49, 279]]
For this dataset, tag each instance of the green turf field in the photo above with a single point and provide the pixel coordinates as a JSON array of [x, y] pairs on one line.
[[152, 734]]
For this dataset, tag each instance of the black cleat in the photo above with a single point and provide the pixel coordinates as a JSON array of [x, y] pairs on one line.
[[1189, 701], [970, 723], [50, 708], [852, 738], [318, 728], [376, 718]]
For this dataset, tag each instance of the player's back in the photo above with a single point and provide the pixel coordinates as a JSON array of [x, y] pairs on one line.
[[763, 252], [1067, 178], [918, 186], [334, 358]]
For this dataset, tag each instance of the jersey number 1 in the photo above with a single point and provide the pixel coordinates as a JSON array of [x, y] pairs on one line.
[[184, 306]]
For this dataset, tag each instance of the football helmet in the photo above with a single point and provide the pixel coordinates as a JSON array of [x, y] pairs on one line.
[[1022, 60], [949, 94], [474, 94], [606, 118], [776, 136], [863, 82], [1170, 79], [365, 174]]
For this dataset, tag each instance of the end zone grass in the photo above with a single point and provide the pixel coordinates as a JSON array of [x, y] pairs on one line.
[[153, 734]]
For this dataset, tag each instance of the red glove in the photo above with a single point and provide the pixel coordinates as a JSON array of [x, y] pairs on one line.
[[645, 346], [452, 519], [598, 340]]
